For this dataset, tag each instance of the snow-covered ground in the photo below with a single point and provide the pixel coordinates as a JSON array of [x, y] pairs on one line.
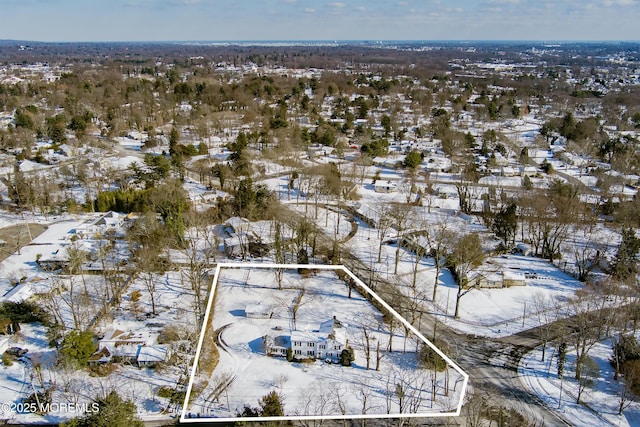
[[305, 385], [174, 307], [600, 403], [487, 312]]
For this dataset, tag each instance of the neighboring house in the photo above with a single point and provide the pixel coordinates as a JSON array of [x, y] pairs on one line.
[[236, 245], [384, 187], [513, 278], [60, 259], [494, 279], [325, 343], [151, 355], [110, 221], [243, 238], [129, 347], [509, 171], [53, 261]]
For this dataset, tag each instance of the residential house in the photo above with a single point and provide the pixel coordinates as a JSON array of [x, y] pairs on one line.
[[151, 355], [109, 222], [129, 347], [494, 279], [384, 187], [325, 343]]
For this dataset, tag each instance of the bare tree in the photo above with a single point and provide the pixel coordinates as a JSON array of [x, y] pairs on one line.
[[438, 236], [77, 258], [547, 311], [392, 323], [474, 411], [586, 324], [152, 265], [380, 353], [366, 344], [384, 223], [315, 404], [627, 391], [364, 393], [67, 294], [589, 254], [199, 249], [297, 303], [399, 216], [466, 254]]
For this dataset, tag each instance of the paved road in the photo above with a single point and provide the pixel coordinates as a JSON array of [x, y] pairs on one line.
[[492, 364]]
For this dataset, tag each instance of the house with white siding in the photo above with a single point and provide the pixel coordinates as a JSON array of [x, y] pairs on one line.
[[327, 342]]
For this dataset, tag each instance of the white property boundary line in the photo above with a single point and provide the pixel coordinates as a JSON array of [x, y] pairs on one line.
[[185, 419]]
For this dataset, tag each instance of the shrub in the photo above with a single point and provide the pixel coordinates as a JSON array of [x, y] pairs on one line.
[[174, 396], [43, 399], [22, 312], [135, 295], [102, 370], [7, 360], [347, 356], [172, 333]]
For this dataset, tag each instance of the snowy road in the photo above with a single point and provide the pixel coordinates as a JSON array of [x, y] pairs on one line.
[[491, 363]]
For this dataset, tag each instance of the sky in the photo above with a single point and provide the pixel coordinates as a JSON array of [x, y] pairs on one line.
[[220, 20]]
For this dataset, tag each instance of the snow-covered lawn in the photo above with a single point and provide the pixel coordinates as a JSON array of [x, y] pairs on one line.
[[488, 312], [600, 403], [315, 388]]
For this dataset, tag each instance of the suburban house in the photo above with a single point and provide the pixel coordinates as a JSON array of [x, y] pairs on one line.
[[384, 187], [327, 342], [109, 222], [129, 347], [60, 258], [494, 279], [243, 238], [52, 261]]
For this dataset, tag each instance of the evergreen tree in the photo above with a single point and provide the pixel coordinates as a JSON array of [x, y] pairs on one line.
[[626, 262], [347, 356], [77, 347], [413, 160], [505, 224], [562, 358], [112, 411], [271, 405]]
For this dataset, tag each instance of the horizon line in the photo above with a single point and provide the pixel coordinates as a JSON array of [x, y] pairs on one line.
[[329, 41]]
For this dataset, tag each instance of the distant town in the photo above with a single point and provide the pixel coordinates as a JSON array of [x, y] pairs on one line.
[[474, 198]]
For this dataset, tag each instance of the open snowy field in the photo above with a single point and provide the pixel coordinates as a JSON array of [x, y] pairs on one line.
[[313, 388]]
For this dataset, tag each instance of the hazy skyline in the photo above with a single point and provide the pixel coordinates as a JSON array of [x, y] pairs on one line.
[[212, 20]]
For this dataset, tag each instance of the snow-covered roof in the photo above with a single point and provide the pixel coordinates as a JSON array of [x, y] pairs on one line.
[[303, 336], [513, 275], [237, 223], [152, 353]]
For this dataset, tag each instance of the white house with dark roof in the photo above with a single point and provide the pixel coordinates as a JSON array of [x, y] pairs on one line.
[[327, 342]]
